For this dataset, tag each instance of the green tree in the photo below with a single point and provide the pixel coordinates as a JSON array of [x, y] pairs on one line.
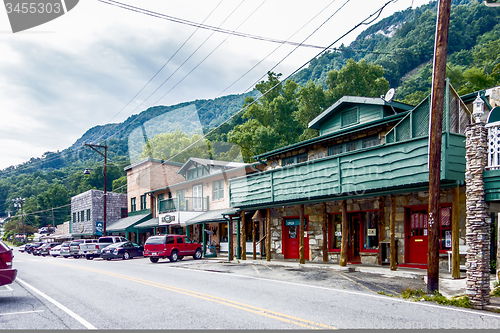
[[312, 101]]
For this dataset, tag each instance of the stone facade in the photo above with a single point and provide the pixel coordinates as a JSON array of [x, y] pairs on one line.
[[478, 221], [87, 208]]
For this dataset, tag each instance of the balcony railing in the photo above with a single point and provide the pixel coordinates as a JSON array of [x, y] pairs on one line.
[[187, 204], [493, 146]]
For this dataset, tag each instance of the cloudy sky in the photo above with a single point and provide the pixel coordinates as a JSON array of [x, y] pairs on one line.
[[80, 70]]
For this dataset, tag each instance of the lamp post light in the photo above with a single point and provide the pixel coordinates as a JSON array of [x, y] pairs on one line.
[[478, 108], [87, 172], [18, 203]]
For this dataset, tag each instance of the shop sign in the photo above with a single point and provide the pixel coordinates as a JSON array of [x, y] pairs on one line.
[[99, 226], [371, 232]]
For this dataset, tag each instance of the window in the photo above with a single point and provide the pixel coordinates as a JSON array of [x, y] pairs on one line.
[[196, 172], [349, 117], [370, 141], [133, 206], [82, 215], [143, 202], [335, 150], [370, 239], [198, 197], [180, 240], [218, 190], [88, 214], [74, 217], [335, 231], [350, 146], [353, 145], [295, 159]]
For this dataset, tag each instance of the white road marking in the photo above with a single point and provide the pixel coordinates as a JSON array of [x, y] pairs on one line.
[[23, 312], [60, 306]]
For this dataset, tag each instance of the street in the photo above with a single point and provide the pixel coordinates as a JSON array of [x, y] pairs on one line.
[[58, 293]]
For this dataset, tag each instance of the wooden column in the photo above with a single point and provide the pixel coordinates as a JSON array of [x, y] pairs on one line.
[[345, 228], [254, 256], [261, 233], [204, 239], [268, 234], [243, 237], [302, 259], [381, 231], [394, 254], [455, 230], [230, 239], [325, 235]]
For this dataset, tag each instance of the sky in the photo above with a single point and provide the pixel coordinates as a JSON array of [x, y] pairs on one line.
[[80, 70]]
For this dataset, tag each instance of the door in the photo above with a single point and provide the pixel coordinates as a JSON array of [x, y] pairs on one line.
[[354, 238], [417, 238], [291, 229], [198, 197]]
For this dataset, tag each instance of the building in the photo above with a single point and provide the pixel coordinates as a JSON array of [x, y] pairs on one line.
[[363, 182], [87, 208]]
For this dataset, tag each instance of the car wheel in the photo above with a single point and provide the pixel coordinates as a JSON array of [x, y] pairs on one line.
[[173, 256], [108, 259], [197, 254], [54, 256], [43, 255], [153, 260], [126, 256], [76, 257], [89, 257]]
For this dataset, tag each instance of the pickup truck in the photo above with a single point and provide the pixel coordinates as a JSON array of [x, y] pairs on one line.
[[93, 250]]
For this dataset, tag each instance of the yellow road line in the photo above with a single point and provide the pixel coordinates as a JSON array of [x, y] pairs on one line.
[[245, 307], [359, 284]]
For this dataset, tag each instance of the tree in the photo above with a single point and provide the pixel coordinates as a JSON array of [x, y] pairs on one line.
[[357, 79]]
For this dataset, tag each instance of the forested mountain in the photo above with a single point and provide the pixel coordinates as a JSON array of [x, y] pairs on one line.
[[395, 52]]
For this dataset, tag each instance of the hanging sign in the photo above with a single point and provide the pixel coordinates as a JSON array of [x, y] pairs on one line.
[[99, 227]]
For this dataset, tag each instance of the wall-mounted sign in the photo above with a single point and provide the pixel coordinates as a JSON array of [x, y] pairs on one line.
[[371, 232], [166, 219]]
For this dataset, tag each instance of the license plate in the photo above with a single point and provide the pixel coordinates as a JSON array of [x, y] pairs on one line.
[[155, 253]]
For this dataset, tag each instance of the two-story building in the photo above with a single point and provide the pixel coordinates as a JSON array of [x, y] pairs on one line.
[[363, 181]]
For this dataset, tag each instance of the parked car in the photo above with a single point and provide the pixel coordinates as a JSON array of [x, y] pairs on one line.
[[93, 250], [7, 273], [45, 249], [65, 249], [30, 246], [124, 250], [34, 250], [55, 251], [173, 247]]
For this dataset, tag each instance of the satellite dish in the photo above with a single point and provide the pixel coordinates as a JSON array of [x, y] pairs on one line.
[[389, 95]]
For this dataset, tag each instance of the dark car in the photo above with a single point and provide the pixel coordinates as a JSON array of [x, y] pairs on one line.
[[173, 247], [45, 249], [7, 273], [31, 246], [124, 250]]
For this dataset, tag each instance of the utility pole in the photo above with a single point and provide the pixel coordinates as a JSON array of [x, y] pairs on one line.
[[18, 203], [435, 139], [105, 155]]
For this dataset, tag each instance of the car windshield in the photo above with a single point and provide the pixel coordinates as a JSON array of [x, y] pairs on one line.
[[156, 240]]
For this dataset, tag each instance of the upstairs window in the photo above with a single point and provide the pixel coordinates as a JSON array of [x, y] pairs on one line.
[[88, 214], [218, 190], [133, 206], [295, 159], [370, 141], [335, 150], [349, 117], [143, 202]]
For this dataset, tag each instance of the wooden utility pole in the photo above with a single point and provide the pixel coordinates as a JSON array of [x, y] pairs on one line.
[[325, 235], [435, 138], [381, 219], [345, 227], [254, 256], [301, 235], [455, 230]]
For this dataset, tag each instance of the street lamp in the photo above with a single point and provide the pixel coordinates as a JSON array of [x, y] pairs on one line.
[[87, 172], [18, 203], [478, 108]]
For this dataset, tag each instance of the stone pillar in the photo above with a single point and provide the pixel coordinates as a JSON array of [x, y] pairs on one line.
[[478, 222]]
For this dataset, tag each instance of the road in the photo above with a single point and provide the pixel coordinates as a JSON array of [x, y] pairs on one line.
[[58, 293]]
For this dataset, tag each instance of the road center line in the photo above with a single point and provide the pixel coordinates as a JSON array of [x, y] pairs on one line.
[[59, 305]]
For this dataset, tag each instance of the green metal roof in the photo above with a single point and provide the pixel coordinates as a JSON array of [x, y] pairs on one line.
[[123, 224], [151, 223], [212, 216]]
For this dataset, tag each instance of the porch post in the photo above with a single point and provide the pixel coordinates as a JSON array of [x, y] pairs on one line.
[[188, 231], [261, 233], [301, 235], [238, 239], [325, 236], [243, 237], [381, 231], [455, 227], [254, 256], [345, 228], [230, 239], [204, 240], [268, 234], [394, 265]]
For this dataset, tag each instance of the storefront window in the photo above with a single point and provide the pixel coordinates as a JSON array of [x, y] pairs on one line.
[[223, 232], [445, 228], [371, 231], [335, 231]]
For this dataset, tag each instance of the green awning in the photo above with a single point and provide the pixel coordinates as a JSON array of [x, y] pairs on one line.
[[212, 216], [151, 223], [127, 222]]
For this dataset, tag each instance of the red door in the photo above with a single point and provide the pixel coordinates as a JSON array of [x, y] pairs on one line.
[[291, 240], [418, 239], [354, 239]]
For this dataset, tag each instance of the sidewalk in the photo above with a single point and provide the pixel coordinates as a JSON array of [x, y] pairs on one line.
[[448, 286]]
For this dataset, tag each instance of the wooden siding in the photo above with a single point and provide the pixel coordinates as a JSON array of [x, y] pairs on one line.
[[367, 113], [396, 165]]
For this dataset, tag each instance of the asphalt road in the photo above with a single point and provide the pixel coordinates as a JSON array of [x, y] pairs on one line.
[[58, 293]]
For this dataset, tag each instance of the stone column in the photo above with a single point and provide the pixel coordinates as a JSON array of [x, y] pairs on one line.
[[478, 222]]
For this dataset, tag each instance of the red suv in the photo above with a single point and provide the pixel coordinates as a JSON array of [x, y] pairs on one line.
[[173, 247], [7, 273]]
